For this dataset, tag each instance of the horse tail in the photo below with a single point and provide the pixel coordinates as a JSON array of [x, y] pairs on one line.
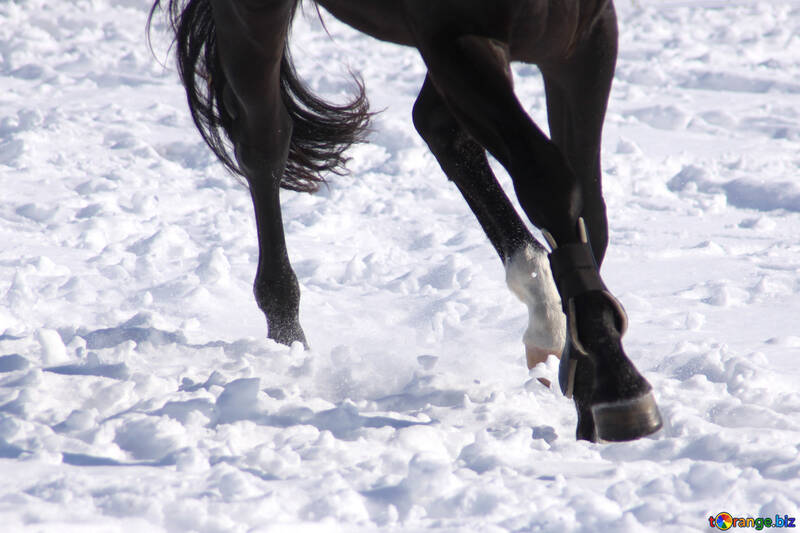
[[321, 131], [199, 67]]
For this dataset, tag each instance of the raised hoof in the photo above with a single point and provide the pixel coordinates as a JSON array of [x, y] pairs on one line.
[[535, 355], [625, 420]]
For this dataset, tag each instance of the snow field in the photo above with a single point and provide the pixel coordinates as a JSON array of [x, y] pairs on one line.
[[138, 391]]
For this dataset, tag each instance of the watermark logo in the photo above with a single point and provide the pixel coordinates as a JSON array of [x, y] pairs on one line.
[[726, 521], [723, 521]]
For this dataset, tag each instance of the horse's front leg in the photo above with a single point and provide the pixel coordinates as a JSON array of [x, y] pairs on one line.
[[471, 73], [528, 274], [250, 44], [577, 95]]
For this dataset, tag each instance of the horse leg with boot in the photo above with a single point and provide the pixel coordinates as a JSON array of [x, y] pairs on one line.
[[471, 73], [577, 91]]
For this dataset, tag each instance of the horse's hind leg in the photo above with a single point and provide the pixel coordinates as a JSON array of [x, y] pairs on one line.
[[527, 271], [250, 43], [275, 287]]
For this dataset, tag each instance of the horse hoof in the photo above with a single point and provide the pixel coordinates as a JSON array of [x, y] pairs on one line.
[[535, 355], [614, 401], [628, 419], [286, 333], [607, 421], [606, 414]]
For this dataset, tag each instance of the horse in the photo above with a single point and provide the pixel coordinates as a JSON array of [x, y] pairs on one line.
[[266, 126]]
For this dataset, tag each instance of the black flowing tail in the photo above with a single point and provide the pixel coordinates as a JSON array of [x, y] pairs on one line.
[[321, 131]]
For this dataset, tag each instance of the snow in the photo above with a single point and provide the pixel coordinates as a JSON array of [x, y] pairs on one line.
[[138, 391]]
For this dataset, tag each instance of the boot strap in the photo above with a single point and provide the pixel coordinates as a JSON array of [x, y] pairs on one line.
[[575, 271]]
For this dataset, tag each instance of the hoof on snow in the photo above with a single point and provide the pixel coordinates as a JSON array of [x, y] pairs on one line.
[[614, 401], [614, 404], [626, 419]]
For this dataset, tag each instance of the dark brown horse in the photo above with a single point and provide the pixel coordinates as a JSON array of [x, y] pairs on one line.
[[264, 124]]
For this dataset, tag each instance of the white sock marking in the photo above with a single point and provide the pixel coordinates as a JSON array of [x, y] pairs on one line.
[[528, 276]]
